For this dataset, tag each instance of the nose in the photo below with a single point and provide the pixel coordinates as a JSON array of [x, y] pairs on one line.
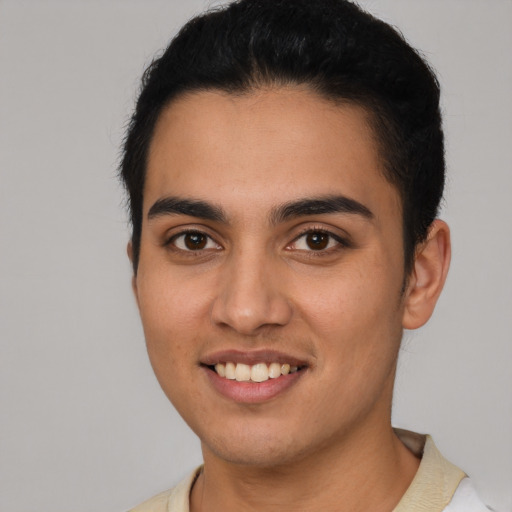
[[251, 296]]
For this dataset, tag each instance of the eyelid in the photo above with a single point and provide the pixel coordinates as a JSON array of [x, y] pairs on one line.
[[170, 239], [342, 241]]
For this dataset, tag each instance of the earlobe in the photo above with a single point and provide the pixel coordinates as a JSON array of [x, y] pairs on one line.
[[129, 251], [428, 276]]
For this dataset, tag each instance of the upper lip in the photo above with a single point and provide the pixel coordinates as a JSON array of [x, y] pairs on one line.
[[252, 357]]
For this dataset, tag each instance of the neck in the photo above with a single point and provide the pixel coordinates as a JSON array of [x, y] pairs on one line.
[[371, 470]]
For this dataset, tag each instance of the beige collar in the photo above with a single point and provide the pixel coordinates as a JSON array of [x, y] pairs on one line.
[[435, 481]]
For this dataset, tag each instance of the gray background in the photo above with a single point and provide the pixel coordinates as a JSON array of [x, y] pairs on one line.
[[84, 424]]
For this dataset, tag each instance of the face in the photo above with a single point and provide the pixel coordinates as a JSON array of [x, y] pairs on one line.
[[270, 273]]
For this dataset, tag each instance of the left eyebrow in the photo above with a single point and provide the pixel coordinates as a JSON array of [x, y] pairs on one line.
[[319, 206], [191, 207]]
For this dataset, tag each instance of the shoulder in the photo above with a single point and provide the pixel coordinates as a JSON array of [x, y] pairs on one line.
[[466, 499], [173, 500], [157, 503]]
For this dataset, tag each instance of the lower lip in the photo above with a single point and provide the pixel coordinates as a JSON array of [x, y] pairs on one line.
[[252, 392]]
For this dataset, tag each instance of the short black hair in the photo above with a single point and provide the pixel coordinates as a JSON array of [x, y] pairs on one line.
[[334, 48]]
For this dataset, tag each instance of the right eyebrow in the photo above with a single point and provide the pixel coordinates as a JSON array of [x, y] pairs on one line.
[[320, 206], [192, 207]]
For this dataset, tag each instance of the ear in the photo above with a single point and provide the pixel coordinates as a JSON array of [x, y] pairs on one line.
[[428, 275], [129, 251]]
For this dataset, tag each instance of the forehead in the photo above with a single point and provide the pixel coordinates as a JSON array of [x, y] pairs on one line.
[[265, 146]]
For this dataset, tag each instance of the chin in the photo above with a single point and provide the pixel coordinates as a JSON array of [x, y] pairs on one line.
[[259, 449], [256, 457]]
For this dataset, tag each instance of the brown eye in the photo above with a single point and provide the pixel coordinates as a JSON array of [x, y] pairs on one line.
[[317, 241], [195, 241]]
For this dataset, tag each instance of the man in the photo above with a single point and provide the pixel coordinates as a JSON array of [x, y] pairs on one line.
[[284, 167]]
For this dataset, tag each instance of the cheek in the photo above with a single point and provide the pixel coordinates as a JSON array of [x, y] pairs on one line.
[[349, 297], [171, 329], [172, 313], [355, 316], [356, 322]]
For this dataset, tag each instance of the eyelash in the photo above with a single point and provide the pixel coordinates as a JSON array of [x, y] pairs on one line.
[[340, 241], [171, 242]]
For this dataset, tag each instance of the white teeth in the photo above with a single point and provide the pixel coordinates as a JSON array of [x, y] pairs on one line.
[[230, 371], [274, 370], [259, 372], [256, 373], [242, 372], [220, 369]]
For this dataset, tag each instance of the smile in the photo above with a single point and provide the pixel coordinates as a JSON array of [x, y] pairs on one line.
[[253, 377], [259, 372]]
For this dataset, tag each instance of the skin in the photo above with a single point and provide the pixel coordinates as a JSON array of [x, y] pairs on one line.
[[257, 284]]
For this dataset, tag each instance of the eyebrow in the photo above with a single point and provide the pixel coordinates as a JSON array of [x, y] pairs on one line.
[[319, 206], [191, 207], [301, 208]]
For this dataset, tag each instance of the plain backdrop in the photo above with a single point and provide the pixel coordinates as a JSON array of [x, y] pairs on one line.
[[84, 425]]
